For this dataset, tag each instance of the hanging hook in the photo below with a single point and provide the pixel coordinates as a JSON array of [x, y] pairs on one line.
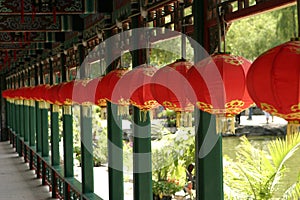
[[219, 29], [183, 38], [221, 23]]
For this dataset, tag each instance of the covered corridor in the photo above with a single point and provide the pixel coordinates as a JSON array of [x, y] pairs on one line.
[[18, 182]]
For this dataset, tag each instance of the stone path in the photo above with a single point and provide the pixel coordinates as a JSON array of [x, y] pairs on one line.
[[17, 182]]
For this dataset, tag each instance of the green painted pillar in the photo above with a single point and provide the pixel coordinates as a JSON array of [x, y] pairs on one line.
[[13, 122], [68, 145], [17, 128], [115, 153], [87, 149], [32, 130], [26, 120], [32, 124], [21, 126], [142, 163], [7, 113], [55, 159], [54, 128], [44, 106], [21, 119], [38, 127], [115, 141], [86, 132], [209, 167]]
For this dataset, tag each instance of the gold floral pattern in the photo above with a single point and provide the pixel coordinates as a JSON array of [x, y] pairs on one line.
[[295, 108], [294, 49], [101, 102], [233, 60], [293, 115], [147, 105], [231, 108], [189, 107]]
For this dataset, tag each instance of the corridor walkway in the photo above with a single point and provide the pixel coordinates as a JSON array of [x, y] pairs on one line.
[[17, 182]]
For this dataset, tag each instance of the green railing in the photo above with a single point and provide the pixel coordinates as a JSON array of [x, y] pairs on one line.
[[59, 178]]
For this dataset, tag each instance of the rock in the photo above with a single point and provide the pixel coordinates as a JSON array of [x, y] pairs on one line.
[[264, 130]]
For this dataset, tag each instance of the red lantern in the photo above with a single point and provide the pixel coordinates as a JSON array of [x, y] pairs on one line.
[[18, 93], [26, 93], [219, 86], [5, 94], [38, 92], [136, 87], [109, 89], [84, 91], [52, 95], [99, 98], [65, 93], [273, 82], [168, 86]]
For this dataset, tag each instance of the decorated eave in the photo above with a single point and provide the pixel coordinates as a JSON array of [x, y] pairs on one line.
[[35, 30]]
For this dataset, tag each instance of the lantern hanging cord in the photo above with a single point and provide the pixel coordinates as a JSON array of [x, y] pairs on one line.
[[183, 38], [223, 28], [144, 14], [121, 48], [221, 23]]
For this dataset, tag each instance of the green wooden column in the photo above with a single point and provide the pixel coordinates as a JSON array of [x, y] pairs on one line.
[[44, 106], [38, 136], [54, 127], [38, 117], [87, 149], [22, 123], [209, 167], [7, 113], [115, 142], [38, 128], [18, 127], [86, 133], [55, 159], [21, 126], [13, 116], [142, 162], [115, 153], [32, 123], [26, 114], [26, 120], [68, 145], [32, 130]]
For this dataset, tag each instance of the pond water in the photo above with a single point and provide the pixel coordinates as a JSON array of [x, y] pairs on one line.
[[293, 164]]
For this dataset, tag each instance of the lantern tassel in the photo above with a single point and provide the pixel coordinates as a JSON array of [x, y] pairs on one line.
[[102, 113], [225, 124], [143, 115], [178, 119], [293, 127], [123, 110]]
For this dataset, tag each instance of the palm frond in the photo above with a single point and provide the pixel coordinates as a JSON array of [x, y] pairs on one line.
[[280, 151], [292, 192]]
